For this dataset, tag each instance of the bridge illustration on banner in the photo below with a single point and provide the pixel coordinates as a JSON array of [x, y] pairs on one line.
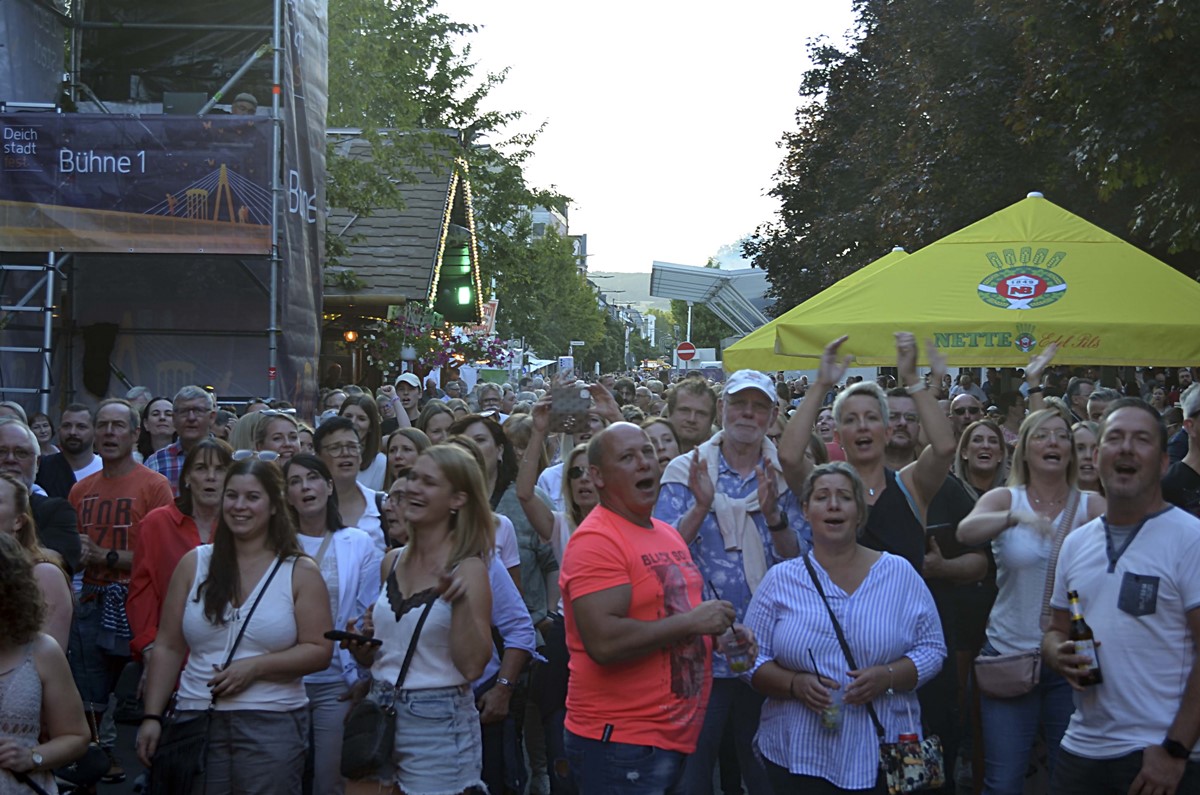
[[221, 195]]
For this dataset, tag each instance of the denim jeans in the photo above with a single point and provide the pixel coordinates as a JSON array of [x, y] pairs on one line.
[[601, 768], [1010, 727], [733, 706], [1076, 775]]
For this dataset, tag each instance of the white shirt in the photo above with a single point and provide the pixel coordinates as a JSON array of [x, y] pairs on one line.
[[90, 468], [550, 481], [506, 543], [1145, 659], [372, 476]]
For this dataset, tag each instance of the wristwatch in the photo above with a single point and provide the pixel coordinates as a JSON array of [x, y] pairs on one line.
[[1176, 749], [500, 680], [38, 761], [112, 558]]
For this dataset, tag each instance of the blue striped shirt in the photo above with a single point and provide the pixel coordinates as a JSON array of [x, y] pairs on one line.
[[891, 615]]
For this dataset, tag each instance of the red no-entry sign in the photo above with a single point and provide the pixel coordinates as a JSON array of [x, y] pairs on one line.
[[686, 351]]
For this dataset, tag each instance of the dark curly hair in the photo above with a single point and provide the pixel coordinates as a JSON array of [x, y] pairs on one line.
[[22, 610]]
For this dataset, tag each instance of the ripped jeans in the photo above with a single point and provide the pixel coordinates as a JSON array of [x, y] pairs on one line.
[[601, 768]]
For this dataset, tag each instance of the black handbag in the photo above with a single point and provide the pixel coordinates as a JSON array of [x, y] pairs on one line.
[[370, 731], [180, 758]]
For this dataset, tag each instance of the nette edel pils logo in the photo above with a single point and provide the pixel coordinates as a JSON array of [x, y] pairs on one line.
[[1025, 341], [1023, 279]]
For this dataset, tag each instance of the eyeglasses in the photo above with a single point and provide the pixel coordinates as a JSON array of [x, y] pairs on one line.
[[907, 416], [575, 473], [345, 448], [1042, 436], [19, 453], [261, 455], [961, 410], [278, 412], [191, 411]]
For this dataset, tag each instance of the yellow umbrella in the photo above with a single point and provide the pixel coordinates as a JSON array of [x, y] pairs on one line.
[[756, 350], [1025, 277]]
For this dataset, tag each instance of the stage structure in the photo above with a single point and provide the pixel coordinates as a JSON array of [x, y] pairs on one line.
[[168, 229]]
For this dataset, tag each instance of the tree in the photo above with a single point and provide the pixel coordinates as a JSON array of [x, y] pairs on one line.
[[543, 297], [944, 111], [666, 338], [400, 72]]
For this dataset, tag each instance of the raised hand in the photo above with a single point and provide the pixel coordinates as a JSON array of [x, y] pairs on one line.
[[831, 369]]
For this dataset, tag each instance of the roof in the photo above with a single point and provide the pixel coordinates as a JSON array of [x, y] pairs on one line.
[[397, 249], [1004, 288], [735, 296]]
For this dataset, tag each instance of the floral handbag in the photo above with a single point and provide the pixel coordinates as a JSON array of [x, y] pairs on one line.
[[912, 765]]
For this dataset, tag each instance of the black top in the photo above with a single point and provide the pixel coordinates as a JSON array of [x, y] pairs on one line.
[[892, 527], [1181, 487], [55, 475]]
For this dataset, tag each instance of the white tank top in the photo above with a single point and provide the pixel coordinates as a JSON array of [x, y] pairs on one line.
[[1022, 555], [431, 664], [272, 628]]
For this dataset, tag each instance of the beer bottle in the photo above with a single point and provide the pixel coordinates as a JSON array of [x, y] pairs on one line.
[[1085, 646]]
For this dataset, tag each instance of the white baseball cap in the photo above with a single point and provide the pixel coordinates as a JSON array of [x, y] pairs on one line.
[[750, 379], [410, 379]]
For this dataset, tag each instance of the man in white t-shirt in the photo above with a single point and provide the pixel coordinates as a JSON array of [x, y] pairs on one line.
[[1137, 572]]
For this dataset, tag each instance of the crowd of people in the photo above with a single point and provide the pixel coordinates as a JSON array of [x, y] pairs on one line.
[[744, 587]]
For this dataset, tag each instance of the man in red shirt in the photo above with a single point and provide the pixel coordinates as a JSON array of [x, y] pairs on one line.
[[110, 505], [637, 629]]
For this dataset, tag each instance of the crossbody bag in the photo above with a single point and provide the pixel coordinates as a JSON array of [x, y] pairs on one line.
[[906, 766], [1012, 675], [179, 761]]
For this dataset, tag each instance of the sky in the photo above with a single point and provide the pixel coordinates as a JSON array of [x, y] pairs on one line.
[[662, 120]]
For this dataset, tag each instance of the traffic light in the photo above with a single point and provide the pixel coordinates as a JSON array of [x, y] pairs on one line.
[[457, 296]]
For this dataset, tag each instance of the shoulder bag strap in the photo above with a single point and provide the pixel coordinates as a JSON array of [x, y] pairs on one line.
[[246, 623], [412, 644], [841, 636], [1064, 527]]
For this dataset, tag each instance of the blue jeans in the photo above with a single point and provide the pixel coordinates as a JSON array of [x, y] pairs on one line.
[[601, 768], [733, 706], [1010, 726]]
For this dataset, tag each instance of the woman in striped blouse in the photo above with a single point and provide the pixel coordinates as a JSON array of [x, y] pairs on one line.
[[815, 734]]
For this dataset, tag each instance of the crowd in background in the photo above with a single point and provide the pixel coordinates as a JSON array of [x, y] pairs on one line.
[[167, 557]]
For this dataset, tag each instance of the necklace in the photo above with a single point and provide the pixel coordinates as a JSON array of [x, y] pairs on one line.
[[871, 492]]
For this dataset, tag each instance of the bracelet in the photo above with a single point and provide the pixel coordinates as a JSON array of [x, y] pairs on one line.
[[792, 687], [891, 690], [915, 388], [156, 718], [1033, 390], [500, 680], [780, 526]]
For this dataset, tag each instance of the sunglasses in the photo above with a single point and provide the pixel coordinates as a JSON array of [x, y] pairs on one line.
[[575, 473], [961, 410], [261, 455]]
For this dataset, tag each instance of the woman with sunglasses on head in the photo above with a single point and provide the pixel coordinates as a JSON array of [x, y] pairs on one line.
[[170, 532], [337, 444], [253, 582], [549, 686], [349, 563], [402, 448], [438, 582], [362, 411], [1022, 521], [279, 433]]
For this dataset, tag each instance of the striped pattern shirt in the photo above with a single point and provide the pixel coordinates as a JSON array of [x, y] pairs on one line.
[[891, 615]]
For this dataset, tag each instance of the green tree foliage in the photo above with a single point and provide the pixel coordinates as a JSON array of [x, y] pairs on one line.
[[944, 111], [543, 297], [401, 72], [666, 338]]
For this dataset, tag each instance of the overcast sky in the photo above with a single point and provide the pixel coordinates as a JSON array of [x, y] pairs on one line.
[[663, 116]]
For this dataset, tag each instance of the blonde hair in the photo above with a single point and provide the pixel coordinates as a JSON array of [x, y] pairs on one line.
[[1018, 474], [573, 514], [473, 528]]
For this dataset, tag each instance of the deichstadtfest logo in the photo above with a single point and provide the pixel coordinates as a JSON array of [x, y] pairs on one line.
[[1023, 279]]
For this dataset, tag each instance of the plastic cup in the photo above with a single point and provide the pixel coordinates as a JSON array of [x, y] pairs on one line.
[[831, 716], [735, 646]]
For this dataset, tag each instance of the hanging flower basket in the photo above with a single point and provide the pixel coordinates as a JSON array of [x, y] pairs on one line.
[[426, 347]]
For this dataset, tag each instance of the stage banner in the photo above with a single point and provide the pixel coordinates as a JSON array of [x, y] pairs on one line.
[[305, 99], [99, 183]]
